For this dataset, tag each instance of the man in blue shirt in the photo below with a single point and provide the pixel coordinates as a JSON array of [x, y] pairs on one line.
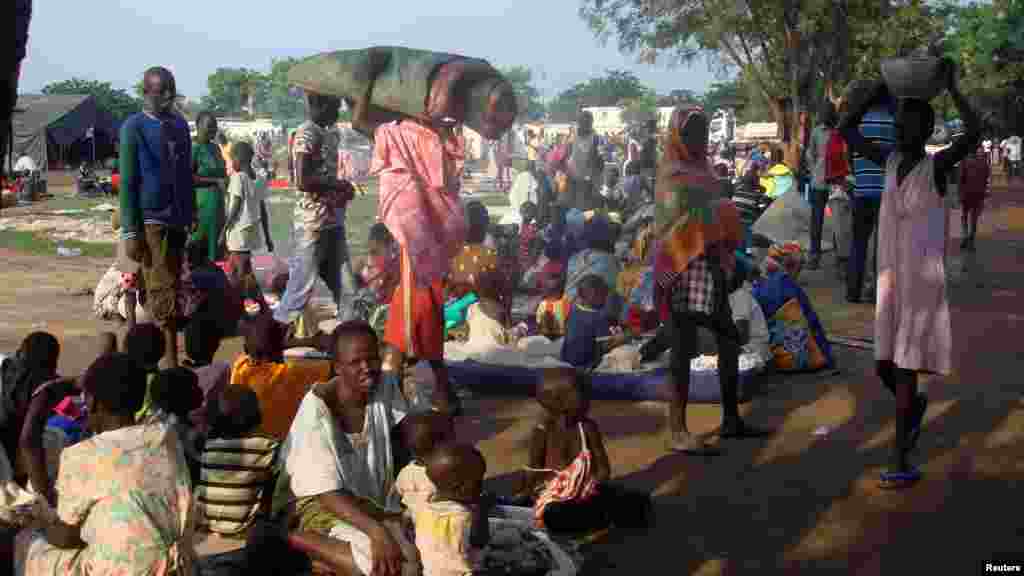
[[157, 199], [878, 126]]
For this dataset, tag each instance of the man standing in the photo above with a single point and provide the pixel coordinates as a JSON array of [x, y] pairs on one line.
[[585, 166], [877, 126], [157, 199], [1012, 150], [316, 238]]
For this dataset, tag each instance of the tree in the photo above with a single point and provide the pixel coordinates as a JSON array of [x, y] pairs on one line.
[[119, 103], [987, 39], [729, 94], [521, 79], [640, 110], [233, 91], [279, 99], [613, 89], [787, 50]]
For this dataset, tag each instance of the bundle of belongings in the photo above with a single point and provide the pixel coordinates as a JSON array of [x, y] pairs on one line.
[[797, 340], [431, 86]]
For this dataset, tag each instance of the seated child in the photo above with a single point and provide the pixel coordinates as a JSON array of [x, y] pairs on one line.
[[569, 470], [589, 334], [381, 273], [422, 433], [236, 465], [452, 528], [553, 310], [279, 386], [145, 344], [529, 236], [174, 394]]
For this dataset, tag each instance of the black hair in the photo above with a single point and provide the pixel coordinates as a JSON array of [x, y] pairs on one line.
[[176, 391], [166, 78], [549, 390], [35, 364], [528, 209], [145, 343], [221, 138], [380, 233], [479, 221], [264, 337], [348, 331], [117, 382], [828, 115], [203, 114], [244, 417], [923, 111], [202, 339], [592, 282]]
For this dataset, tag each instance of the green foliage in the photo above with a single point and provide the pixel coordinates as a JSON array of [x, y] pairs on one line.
[[640, 110], [118, 102], [229, 91], [278, 99], [521, 79], [612, 89]]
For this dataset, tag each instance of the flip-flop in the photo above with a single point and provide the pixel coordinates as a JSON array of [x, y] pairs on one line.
[[899, 479], [920, 407]]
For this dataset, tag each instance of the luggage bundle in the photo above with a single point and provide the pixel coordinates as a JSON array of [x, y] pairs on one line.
[[429, 86]]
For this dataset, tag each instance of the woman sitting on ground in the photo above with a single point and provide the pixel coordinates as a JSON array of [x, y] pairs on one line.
[[125, 497], [335, 489]]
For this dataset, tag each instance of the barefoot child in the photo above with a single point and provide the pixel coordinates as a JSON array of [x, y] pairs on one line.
[[569, 469], [589, 334], [452, 528], [236, 465], [422, 434], [246, 215]]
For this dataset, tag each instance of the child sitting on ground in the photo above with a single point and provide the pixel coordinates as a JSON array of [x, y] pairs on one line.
[[452, 528], [279, 386], [589, 334], [236, 465], [529, 236], [569, 469], [246, 215], [422, 433], [145, 344], [553, 310], [380, 274]]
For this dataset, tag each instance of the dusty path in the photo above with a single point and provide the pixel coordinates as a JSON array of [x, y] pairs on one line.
[[795, 503]]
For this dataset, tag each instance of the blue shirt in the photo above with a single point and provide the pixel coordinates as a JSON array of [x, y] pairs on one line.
[[580, 346], [877, 126], [156, 173]]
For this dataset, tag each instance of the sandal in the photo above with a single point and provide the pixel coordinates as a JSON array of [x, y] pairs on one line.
[[899, 479]]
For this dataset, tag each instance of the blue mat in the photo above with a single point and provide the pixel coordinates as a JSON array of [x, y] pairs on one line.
[[491, 379]]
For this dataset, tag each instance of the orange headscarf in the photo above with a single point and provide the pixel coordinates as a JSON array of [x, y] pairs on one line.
[[691, 214]]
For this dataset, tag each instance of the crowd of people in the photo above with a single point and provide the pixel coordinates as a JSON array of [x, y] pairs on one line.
[[131, 460]]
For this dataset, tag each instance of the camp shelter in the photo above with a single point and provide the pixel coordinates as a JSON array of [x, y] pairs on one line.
[[45, 124]]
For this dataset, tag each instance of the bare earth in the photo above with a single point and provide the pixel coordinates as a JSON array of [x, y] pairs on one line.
[[794, 503]]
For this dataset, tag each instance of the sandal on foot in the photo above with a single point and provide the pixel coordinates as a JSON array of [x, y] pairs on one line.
[[899, 479]]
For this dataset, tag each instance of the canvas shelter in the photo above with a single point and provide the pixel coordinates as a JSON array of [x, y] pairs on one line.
[[42, 121]]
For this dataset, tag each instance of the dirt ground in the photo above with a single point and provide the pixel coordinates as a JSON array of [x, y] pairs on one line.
[[794, 503]]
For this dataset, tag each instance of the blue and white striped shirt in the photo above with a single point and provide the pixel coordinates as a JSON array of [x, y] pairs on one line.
[[877, 126]]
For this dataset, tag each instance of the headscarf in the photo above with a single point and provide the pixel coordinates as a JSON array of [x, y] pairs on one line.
[[788, 258], [688, 199]]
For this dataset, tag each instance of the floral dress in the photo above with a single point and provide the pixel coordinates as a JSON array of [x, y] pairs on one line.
[[129, 490]]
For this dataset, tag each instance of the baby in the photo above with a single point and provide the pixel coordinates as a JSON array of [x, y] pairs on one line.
[[422, 433], [452, 528], [589, 334]]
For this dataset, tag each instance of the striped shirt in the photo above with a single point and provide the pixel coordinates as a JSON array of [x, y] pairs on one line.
[[234, 472], [316, 211], [877, 126]]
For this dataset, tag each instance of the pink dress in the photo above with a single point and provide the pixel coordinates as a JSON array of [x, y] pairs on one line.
[[912, 319]]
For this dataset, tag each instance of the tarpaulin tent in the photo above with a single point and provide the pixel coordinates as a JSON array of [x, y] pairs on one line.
[[58, 119]]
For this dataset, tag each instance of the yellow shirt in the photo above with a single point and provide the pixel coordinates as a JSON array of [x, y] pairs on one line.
[[280, 388]]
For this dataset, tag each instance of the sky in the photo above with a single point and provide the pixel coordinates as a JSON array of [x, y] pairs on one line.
[[116, 40]]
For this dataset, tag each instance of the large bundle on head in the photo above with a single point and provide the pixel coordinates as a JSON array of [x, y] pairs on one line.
[[427, 85]]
